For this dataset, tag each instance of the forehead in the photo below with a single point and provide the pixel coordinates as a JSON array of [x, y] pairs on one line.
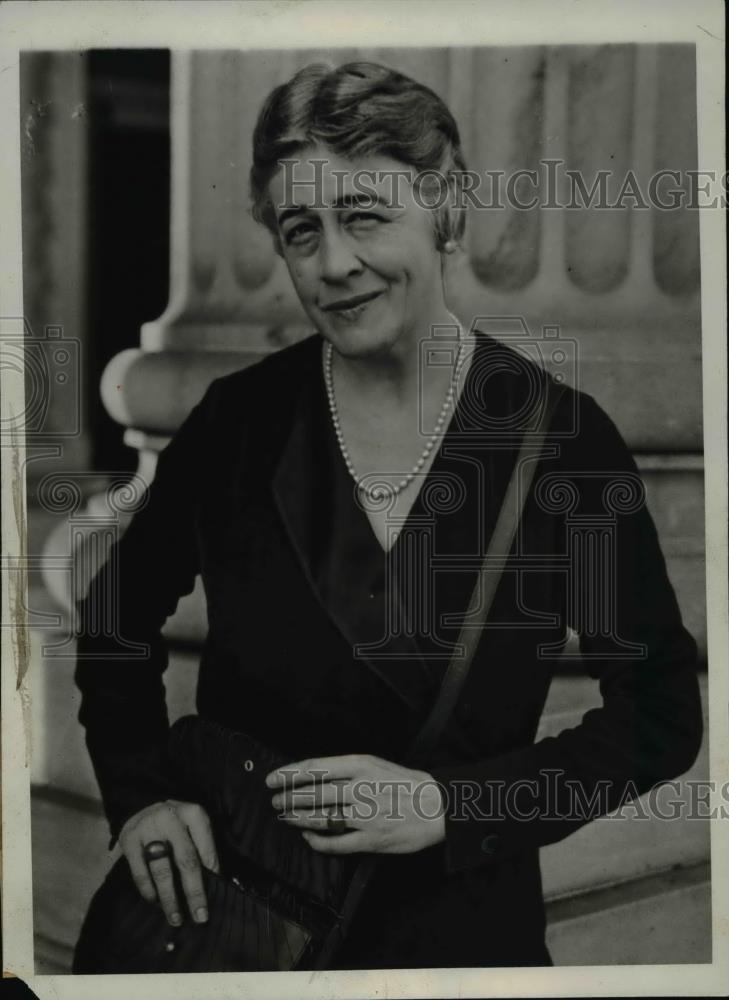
[[317, 177]]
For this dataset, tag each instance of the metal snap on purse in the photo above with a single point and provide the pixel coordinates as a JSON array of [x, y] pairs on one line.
[[277, 904]]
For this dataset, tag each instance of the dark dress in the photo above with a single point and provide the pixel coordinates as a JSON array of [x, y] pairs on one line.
[[320, 643]]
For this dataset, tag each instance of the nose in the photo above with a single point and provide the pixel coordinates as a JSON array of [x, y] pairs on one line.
[[337, 257]]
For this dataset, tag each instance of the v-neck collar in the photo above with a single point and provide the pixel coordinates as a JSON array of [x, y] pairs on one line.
[[422, 482], [363, 587]]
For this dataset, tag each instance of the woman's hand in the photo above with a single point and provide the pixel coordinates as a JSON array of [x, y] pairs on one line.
[[387, 808], [186, 827]]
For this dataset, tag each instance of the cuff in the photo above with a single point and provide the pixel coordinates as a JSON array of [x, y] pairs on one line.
[[130, 783], [474, 834]]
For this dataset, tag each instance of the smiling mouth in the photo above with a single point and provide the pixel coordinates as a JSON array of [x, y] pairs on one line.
[[352, 307]]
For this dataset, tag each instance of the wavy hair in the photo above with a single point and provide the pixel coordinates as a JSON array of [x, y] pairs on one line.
[[359, 109]]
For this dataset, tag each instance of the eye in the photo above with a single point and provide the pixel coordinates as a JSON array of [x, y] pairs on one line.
[[364, 218], [301, 233]]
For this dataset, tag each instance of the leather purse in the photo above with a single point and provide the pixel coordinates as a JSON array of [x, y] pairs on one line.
[[277, 904], [273, 904]]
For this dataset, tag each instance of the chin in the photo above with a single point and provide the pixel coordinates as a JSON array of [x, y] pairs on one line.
[[357, 342]]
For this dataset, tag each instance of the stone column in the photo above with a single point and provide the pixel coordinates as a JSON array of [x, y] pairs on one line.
[[230, 301]]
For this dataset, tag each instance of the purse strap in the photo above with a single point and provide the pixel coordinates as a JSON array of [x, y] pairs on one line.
[[474, 621], [490, 572]]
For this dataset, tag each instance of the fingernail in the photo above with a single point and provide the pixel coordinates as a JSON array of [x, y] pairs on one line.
[[201, 914], [175, 919]]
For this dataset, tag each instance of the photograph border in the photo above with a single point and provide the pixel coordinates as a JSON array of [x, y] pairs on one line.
[[28, 27]]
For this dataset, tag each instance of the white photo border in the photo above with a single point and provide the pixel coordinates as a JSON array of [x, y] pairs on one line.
[[25, 27]]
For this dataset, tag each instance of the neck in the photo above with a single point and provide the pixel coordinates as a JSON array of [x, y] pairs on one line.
[[395, 377]]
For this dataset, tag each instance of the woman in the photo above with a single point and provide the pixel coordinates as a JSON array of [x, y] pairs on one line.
[[337, 499]]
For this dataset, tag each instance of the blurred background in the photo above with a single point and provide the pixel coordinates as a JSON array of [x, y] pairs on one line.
[[144, 278]]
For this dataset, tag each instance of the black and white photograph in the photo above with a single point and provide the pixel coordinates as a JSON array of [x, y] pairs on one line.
[[364, 440]]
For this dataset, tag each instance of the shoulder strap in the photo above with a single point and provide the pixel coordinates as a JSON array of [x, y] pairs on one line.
[[482, 597], [475, 618]]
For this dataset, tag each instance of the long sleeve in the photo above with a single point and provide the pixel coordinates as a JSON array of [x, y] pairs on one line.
[[649, 726], [121, 654]]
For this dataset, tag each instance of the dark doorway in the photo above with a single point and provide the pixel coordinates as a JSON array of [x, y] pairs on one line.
[[129, 220]]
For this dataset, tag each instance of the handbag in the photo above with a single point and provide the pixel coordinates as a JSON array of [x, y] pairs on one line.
[[277, 904]]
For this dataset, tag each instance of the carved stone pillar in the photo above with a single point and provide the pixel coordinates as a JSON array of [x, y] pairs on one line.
[[229, 295]]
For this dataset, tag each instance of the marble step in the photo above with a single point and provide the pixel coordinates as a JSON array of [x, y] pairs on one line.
[[70, 859], [660, 919], [636, 841]]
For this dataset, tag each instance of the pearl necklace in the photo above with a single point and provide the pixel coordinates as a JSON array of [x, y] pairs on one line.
[[377, 490]]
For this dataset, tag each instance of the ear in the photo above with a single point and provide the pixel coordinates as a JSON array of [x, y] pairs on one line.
[[451, 218], [445, 239]]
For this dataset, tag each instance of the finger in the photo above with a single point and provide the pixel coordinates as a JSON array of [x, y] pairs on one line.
[[162, 875], [317, 769], [345, 843], [320, 820], [140, 872], [201, 833], [335, 793], [188, 865]]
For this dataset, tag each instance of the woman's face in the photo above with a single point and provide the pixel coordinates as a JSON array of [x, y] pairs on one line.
[[360, 250]]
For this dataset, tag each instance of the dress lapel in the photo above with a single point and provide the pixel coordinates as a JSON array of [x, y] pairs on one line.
[[336, 548]]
